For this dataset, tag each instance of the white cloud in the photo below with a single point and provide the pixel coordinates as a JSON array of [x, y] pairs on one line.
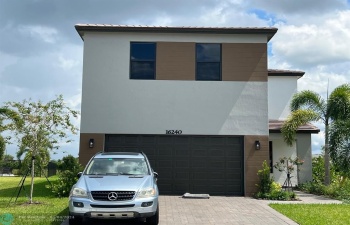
[[308, 45], [46, 34]]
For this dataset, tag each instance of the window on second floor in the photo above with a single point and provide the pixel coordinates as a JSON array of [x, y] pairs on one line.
[[142, 60], [208, 61]]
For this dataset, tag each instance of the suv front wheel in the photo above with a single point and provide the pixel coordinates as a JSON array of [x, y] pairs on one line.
[[75, 220], [153, 220]]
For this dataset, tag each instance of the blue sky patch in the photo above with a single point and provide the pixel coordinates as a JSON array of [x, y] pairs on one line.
[[261, 14]]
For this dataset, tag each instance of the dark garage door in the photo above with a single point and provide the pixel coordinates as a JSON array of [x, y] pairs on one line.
[[194, 164]]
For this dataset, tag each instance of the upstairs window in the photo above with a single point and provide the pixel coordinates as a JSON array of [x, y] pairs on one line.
[[142, 60], [208, 62]]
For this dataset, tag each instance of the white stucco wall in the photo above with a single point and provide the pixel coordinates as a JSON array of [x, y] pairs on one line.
[[304, 152], [301, 148], [280, 150], [112, 103], [280, 92]]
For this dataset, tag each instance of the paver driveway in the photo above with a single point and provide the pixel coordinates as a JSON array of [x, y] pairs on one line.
[[219, 210], [216, 210]]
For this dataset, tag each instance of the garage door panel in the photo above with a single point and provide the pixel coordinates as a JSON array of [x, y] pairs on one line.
[[199, 152], [195, 164], [181, 188], [233, 165], [214, 176], [164, 163], [179, 140], [182, 151], [217, 141], [199, 140], [165, 140], [199, 163], [148, 140]]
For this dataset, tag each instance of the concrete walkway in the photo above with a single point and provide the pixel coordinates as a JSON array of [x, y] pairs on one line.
[[175, 210], [308, 199]]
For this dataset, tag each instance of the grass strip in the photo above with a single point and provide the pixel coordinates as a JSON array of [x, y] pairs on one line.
[[311, 214]]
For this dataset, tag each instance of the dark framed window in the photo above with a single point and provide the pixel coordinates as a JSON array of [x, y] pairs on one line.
[[142, 60], [208, 61]]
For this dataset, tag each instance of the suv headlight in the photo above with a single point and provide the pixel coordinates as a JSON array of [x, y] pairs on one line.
[[147, 192], [79, 192]]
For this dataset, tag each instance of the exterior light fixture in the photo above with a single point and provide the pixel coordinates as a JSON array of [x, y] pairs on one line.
[[91, 143], [257, 145]]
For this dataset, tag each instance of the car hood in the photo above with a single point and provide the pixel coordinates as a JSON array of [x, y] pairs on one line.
[[117, 183]]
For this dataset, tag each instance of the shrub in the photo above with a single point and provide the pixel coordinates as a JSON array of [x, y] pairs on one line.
[[67, 176], [268, 189], [282, 195], [313, 187], [264, 187], [16, 172]]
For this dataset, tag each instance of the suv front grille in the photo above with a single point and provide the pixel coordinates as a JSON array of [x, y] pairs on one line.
[[120, 195]]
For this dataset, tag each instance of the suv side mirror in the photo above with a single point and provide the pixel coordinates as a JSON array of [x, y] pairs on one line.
[[79, 174], [155, 174]]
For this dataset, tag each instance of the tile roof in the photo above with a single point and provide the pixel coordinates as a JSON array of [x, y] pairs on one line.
[[269, 31], [276, 125]]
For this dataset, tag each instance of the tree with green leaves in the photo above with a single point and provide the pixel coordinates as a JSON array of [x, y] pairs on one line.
[[6, 114], [44, 128], [308, 106]]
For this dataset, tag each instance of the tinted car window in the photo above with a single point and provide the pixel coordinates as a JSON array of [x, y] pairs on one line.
[[117, 166]]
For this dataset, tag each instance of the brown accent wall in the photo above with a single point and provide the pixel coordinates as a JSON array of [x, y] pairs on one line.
[[175, 61], [244, 62], [85, 153], [253, 161]]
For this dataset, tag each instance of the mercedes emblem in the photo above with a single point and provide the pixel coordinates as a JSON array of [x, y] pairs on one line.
[[112, 196]]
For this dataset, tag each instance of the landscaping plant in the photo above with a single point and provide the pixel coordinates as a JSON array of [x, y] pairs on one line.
[[308, 106], [69, 168], [268, 189], [43, 128]]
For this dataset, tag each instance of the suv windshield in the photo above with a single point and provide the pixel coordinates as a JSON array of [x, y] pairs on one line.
[[117, 166]]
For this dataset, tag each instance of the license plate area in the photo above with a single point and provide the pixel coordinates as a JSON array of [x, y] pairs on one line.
[[112, 215]]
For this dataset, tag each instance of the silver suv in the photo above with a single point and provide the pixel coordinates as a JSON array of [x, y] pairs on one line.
[[115, 185]]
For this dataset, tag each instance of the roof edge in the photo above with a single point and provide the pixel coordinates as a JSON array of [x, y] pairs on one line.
[[278, 72], [276, 125], [269, 31]]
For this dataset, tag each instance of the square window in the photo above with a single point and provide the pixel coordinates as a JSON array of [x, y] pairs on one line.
[[208, 71], [142, 60], [208, 61]]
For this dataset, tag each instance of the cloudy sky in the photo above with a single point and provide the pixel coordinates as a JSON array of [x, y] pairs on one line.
[[41, 53]]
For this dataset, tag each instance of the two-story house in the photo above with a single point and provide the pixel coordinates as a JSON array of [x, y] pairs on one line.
[[196, 100]]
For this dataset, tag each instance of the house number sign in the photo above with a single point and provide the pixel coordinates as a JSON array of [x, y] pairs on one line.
[[176, 132]]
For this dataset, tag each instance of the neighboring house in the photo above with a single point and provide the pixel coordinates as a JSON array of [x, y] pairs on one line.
[[196, 100]]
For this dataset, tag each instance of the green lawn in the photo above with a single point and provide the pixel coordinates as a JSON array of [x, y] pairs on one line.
[[310, 214], [47, 210]]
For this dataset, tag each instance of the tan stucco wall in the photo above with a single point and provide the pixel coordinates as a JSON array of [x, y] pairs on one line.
[[85, 152], [253, 161]]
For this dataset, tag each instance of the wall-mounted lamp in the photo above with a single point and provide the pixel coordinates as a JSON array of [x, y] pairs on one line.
[[91, 143], [257, 145]]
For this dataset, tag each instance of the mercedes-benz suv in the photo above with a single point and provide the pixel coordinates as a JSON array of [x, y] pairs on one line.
[[115, 185]]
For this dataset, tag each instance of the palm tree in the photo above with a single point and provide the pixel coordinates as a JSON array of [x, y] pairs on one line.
[[339, 145], [308, 106]]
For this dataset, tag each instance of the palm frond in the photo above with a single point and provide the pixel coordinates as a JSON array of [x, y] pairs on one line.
[[339, 102], [308, 100], [339, 140], [295, 120]]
